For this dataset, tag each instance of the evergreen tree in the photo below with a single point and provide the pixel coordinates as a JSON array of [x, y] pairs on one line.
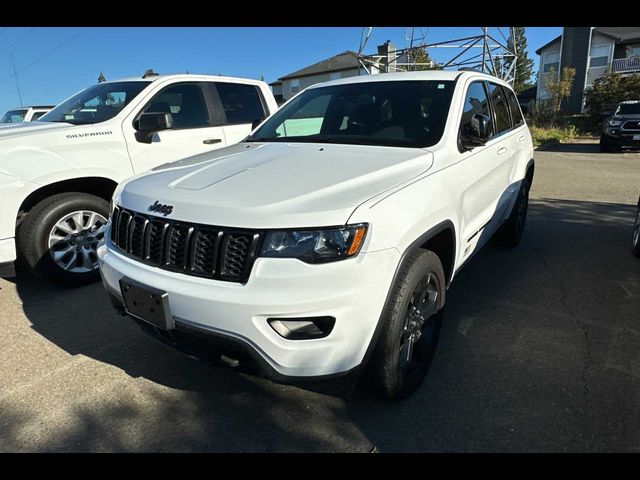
[[420, 55], [524, 65]]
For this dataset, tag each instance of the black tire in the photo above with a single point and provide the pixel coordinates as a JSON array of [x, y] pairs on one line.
[[390, 374], [604, 145], [34, 231], [635, 240], [509, 235]]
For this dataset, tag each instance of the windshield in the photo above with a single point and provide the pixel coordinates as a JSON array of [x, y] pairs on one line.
[[95, 104], [391, 113], [14, 116], [628, 109]]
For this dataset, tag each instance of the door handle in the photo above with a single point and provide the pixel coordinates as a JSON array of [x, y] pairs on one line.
[[521, 138], [210, 141], [502, 150]]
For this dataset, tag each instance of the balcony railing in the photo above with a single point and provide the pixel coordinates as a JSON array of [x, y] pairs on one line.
[[625, 65]]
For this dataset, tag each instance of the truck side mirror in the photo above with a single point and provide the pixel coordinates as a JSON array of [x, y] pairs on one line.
[[476, 132], [257, 122], [150, 123], [606, 114]]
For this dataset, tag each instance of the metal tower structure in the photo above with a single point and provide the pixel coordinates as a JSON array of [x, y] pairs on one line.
[[488, 51]]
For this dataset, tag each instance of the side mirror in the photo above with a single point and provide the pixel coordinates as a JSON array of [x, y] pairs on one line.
[[150, 123], [476, 132], [257, 122], [606, 114]]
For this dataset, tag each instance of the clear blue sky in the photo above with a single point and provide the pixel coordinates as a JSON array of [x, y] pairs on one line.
[[53, 63]]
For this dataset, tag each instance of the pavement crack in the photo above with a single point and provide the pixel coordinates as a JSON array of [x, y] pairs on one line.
[[586, 351]]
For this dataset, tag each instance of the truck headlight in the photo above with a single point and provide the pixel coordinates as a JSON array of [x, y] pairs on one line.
[[315, 246], [615, 123]]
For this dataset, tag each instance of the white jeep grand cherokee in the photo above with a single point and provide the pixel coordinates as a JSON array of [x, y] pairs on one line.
[[326, 240]]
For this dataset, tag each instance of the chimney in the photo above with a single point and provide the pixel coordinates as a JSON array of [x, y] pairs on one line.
[[388, 52]]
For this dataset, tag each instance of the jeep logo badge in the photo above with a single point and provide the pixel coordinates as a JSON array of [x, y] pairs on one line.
[[160, 208]]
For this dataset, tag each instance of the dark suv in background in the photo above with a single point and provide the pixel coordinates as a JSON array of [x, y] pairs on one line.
[[621, 127]]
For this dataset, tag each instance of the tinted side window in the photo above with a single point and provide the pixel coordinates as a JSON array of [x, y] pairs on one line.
[[185, 102], [499, 101], [516, 114], [241, 103], [37, 115], [475, 101]]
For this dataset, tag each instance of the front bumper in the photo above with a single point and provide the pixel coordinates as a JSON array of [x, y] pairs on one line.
[[7, 257], [353, 291], [622, 139]]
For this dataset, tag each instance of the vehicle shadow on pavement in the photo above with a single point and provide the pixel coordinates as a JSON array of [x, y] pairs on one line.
[[539, 351], [540, 345]]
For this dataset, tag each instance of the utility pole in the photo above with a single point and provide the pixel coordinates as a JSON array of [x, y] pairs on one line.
[[15, 74]]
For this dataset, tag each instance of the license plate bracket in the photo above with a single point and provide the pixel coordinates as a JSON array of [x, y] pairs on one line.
[[146, 303]]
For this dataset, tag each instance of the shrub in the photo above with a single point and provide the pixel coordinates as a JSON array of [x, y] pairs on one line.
[[608, 90], [545, 136]]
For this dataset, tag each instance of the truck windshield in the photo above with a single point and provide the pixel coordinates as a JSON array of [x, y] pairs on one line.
[[14, 116], [388, 113], [95, 104], [628, 109]]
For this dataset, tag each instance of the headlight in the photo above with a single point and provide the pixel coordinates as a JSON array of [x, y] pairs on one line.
[[315, 246], [615, 123]]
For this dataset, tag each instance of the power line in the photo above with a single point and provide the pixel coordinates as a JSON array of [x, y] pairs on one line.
[[45, 55], [18, 39]]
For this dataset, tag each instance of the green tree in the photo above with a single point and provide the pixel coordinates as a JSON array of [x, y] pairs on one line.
[[558, 87], [524, 65], [608, 90], [420, 55]]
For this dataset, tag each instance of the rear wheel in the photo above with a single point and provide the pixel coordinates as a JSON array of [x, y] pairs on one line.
[[636, 235], [510, 233], [59, 237], [411, 327]]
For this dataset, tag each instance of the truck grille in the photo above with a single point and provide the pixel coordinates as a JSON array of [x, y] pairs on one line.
[[202, 250], [631, 125]]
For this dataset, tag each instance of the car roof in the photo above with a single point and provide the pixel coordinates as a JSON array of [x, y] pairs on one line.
[[435, 75], [185, 76], [628, 102]]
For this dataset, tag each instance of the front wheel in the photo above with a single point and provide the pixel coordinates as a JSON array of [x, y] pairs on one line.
[[636, 235], [59, 236], [411, 326]]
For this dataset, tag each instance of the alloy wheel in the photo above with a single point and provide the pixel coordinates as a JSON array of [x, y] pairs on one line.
[[73, 241]]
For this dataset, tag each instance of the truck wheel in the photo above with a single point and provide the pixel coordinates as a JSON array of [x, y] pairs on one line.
[[411, 326], [510, 233], [605, 146], [636, 235], [58, 238]]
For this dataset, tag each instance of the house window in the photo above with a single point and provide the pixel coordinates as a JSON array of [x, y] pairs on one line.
[[633, 51], [551, 61], [334, 76], [295, 86], [599, 56]]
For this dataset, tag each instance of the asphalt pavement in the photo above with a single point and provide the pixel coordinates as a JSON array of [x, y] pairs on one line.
[[539, 351]]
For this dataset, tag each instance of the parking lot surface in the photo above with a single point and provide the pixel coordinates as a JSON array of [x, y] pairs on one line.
[[539, 351]]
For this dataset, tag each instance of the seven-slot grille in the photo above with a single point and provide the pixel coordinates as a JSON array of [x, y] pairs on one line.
[[201, 250]]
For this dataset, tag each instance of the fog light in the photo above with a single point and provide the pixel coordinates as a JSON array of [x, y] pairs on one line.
[[302, 328]]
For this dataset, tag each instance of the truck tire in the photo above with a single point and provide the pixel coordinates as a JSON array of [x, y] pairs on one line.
[[635, 242], [411, 326], [509, 234], [57, 240], [605, 147]]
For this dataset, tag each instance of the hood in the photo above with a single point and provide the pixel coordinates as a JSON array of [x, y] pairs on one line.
[[274, 185], [14, 130]]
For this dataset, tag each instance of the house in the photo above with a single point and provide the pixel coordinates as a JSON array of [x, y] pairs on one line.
[[592, 51], [342, 65]]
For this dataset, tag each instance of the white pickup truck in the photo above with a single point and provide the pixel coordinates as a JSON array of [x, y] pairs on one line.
[[57, 175]]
